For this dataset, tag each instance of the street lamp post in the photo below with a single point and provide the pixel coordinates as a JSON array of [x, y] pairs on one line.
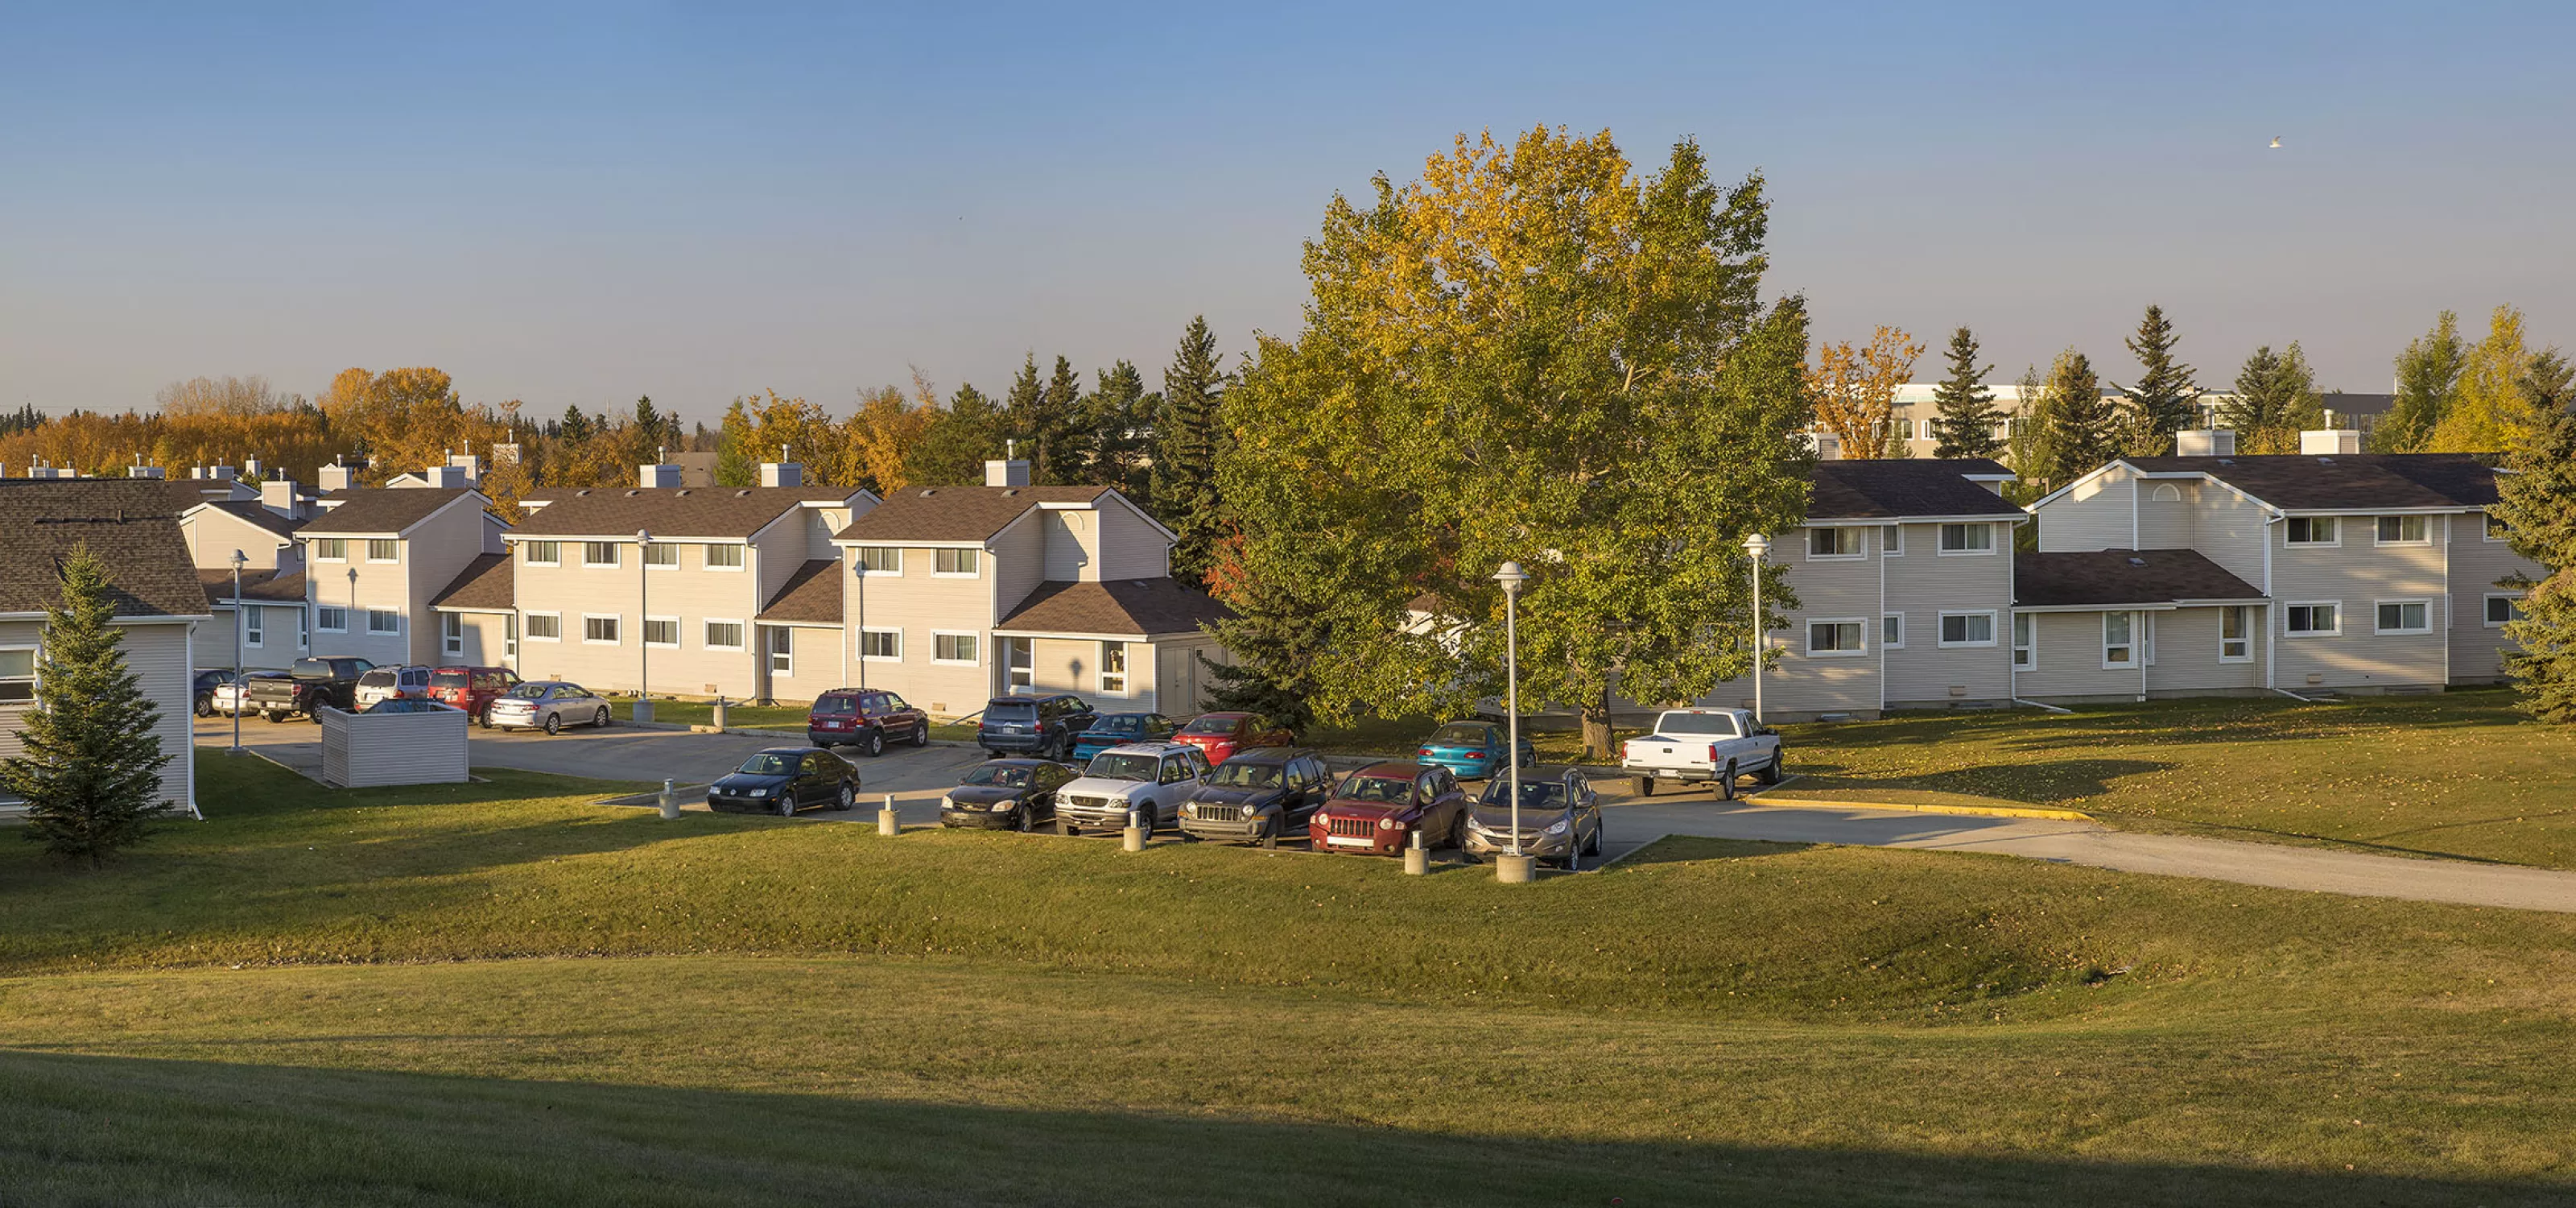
[[860, 571], [239, 626], [1514, 866], [643, 624], [1757, 545]]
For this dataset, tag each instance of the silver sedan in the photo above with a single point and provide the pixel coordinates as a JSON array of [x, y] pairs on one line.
[[548, 705]]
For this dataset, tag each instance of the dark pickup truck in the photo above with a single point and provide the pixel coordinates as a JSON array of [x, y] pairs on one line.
[[308, 686]]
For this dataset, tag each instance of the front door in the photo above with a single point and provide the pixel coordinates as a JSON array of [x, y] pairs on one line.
[[1019, 660]]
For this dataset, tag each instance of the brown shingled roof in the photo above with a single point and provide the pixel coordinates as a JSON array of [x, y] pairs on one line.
[[380, 509], [2116, 577], [676, 513], [268, 585], [257, 513], [1894, 487], [486, 585], [957, 513], [2345, 481], [1115, 608], [811, 596], [127, 522]]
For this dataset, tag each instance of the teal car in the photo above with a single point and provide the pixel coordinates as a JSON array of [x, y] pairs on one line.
[[1119, 729], [1472, 750]]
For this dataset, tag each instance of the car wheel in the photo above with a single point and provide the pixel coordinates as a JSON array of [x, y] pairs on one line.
[[921, 734], [1592, 846], [1270, 833], [875, 744], [205, 708], [600, 719], [1771, 773], [821, 745], [1726, 782], [1025, 818], [849, 796], [1645, 786], [554, 723], [786, 803], [487, 717]]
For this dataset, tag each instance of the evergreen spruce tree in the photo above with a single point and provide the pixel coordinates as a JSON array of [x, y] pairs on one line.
[[2276, 399], [1277, 641], [2428, 379], [2538, 508], [2076, 429], [1965, 415], [1039, 415], [2164, 400], [91, 766], [952, 452], [737, 465], [1187, 442], [1114, 431]]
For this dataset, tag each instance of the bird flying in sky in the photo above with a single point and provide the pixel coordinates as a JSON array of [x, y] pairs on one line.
[[2276, 142]]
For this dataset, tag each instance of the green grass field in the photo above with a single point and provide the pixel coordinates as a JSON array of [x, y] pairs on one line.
[[498, 993]]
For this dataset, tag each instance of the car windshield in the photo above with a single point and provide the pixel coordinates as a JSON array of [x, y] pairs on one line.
[[768, 764], [1114, 766], [1459, 736], [1391, 789], [447, 679], [1246, 776], [529, 691], [312, 669], [837, 704], [999, 775], [1535, 795], [1118, 723], [1713, 725], [1212, 725], [1019, 710]]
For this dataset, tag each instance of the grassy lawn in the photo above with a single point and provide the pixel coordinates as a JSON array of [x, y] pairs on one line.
[[495, 993]]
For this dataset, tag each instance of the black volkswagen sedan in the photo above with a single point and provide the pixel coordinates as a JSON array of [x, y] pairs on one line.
[[1258, 796], [783, 780], [1016, 794]]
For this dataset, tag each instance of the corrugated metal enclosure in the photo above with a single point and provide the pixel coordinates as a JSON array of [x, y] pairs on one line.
[[363, 749]]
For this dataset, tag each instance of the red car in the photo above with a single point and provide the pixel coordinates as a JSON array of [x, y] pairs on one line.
[[865, 718], [472, 689], [1220, 735], [1376, 810]]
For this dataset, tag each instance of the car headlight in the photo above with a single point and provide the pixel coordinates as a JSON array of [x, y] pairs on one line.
[[1389, 823], [1006, 805], [946, 802], [1555, 828]]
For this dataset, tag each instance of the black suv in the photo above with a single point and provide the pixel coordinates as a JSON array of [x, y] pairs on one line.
[[1044, 726]]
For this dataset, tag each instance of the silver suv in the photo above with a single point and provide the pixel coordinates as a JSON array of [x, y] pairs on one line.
[[1154, 778]]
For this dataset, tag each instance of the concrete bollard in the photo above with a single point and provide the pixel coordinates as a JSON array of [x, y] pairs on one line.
[[1417, 858], [670, 799], [887, 823], [716, 716], [1515, 870], [1135, 837]]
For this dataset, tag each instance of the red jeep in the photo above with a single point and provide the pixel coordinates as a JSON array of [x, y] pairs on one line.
[[1376, 810], [472, 689]]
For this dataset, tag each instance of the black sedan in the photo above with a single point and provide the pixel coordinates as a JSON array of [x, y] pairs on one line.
[[783, 780], [1014, 794]]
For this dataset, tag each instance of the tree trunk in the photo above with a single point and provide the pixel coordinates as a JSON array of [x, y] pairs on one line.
[[1596, 728]]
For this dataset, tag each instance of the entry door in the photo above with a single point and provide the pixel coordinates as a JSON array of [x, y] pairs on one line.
[[1020, 659], [782, 651]]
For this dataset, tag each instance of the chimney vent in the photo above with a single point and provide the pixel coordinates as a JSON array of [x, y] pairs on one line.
[[661, 474], [1008, 473]]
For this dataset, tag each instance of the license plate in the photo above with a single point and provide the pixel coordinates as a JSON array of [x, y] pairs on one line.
[[1347, 841]]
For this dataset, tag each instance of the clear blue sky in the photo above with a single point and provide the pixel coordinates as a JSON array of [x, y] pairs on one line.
[[583, 205]]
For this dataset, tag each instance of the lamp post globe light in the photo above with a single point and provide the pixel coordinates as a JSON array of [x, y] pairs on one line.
[[1514, 866], [643, 624], [1757, 545], [240, 625]]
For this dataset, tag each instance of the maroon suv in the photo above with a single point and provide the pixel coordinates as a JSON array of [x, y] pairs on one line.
[[866, 718], [472, 689], [1376, 810]]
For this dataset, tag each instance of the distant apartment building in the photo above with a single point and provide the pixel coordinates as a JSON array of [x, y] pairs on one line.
[[1912, 411]]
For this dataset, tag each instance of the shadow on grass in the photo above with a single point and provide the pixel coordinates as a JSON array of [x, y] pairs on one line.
[[2211, 720], [105, 1130], [1693, 849]]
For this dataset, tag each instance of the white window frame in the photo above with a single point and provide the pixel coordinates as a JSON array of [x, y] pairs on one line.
[[1944, 548], [451, 633], [2486, 611], [303, 629], [616, 619], [968, 634], [254, 624], [1016, 674], [2331, 522], [2128, 642], [866, 632], [34, 677], [591, 549], [2493, 526], [324, 547], [1891, 540], [1941, 636], [669, 547], [1858, 624], [646, 633], [2400, 604], [1107, 687], [553, 550], [322, 624], [873, 570], [1859, 543], [736, 553], [2425, 523], [973, 558], [780, 647], [707, 638], [535, 636], [2025, 649], [2244, 615], [394, 632], [510, 636], [1891, 631], [2291, 606]]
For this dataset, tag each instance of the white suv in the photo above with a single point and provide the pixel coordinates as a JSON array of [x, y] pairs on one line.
[[1156, 778], [390, 683]]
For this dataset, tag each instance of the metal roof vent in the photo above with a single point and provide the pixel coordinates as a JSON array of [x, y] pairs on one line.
[[2227, 461], [927, 492], [1010, 490], [684, 490], [632, 492], [744, 493], [2137, 562], [2325, 461], [583, 491]]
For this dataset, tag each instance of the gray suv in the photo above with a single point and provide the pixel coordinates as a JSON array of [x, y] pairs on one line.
[[1040, 726]]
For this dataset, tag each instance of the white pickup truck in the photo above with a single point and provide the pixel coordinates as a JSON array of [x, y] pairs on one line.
[[1696, 746]]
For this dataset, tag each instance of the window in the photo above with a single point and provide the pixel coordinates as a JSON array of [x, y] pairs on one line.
[[2503, 608], [1833, 543], [2405, 616], [960, 648], [879, 559], [17, 675], [330, 618], [451, 632], [724, 557], [2497, 530], [724, 635], [661, 555], [1891, 540], [1019, 660], [1967, 538], [383, 549], [662, 631], [1113, 667], [1891, 631], [2235, 638], [2313, 620], [2119, 640], [2166, 492], [2025, 641], [2311, 530], [545, 627], [510, 637], [303, 630], [330, 549], [956, 562], [254, 625], [2404, 530], [599, 553], [599, 631], [545, 553], [782, 651], [1841, 638], [881, 645], [1967, 629], [383, 621]]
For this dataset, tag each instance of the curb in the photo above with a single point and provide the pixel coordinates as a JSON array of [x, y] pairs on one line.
[[1984, 811]]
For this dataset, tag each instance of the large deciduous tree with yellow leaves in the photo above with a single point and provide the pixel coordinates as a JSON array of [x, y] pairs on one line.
[[1528, 355], [1855, 391]]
